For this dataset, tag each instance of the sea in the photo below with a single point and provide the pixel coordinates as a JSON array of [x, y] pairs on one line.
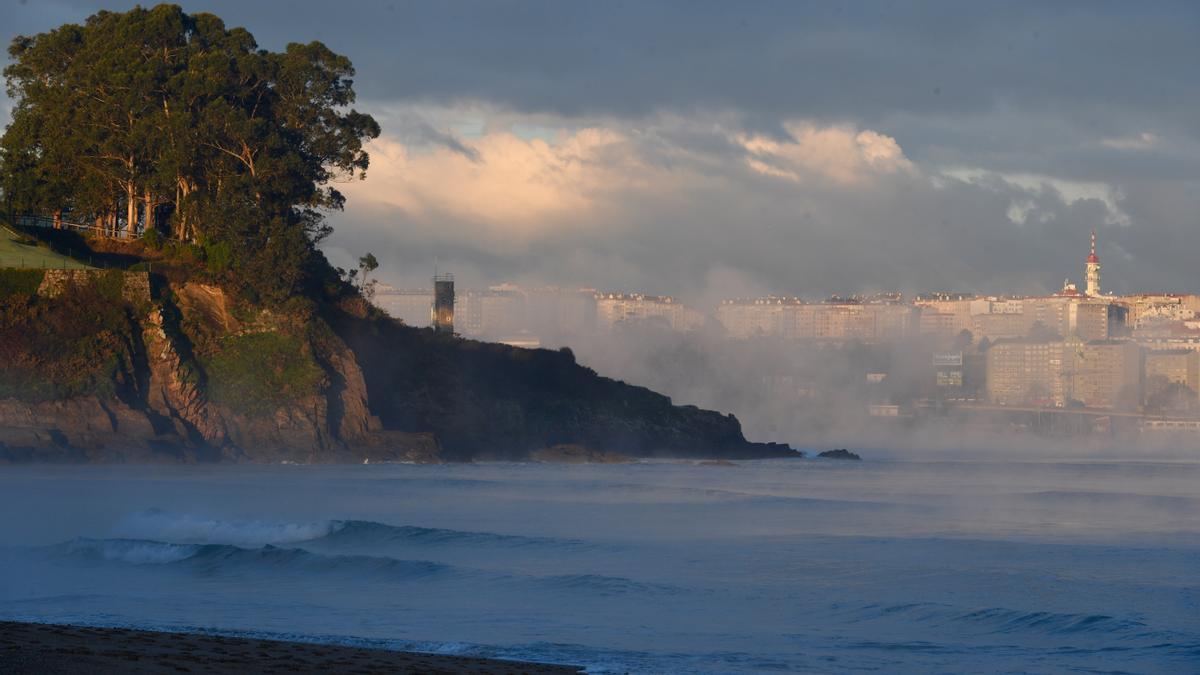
[[895, 564]]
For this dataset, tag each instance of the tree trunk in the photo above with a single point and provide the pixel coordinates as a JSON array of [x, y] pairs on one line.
[[131, 209], [58, 219], [149, 209]]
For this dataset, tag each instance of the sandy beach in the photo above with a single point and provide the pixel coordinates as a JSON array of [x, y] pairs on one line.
[[51, 648]]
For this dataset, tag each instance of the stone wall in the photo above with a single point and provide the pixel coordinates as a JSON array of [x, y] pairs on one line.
[[135, 286]]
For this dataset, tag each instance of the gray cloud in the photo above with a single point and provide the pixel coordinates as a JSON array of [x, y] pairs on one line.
[[1056, 90]]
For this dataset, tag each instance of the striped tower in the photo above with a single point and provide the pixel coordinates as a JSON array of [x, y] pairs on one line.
[[1092, 273]]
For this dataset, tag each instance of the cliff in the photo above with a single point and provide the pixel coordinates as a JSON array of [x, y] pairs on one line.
[[120, 367]]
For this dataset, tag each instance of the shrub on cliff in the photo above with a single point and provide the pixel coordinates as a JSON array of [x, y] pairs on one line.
[[19, 282], [77, 344], [258, 373]]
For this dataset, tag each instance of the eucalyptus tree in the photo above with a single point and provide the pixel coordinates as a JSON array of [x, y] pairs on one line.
[[156, 117]]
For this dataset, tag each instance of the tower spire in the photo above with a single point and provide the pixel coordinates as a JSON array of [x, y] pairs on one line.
[[1092, 269]]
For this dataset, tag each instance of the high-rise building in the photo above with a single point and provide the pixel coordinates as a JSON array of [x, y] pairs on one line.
[[1096, 373], [1172, 366], [1102, 373], [616, 308], [1024, 371]]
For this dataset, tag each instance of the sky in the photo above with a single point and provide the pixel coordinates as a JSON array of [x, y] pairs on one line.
[[716, 149]]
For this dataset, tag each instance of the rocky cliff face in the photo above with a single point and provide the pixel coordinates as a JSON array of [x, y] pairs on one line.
[[491, 401], [198, 378]]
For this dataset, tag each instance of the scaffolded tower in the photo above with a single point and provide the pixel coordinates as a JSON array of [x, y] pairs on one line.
[[442, 312]]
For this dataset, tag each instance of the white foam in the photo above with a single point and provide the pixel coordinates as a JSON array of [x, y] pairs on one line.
[[185, 528]]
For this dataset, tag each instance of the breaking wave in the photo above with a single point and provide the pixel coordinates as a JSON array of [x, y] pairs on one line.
[[227, 559], [214, 558], [362, 532], [158, 525], [161, 525]]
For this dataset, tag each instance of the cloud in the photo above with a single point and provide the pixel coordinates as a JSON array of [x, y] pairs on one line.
[[1064, 190], [1142, 141], [793, 147], [840, 153], [510, 190], [504, 187], [675, 204]]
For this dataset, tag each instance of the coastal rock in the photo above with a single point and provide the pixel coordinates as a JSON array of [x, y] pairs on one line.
[[840, 453], [85, 429], [200, 377], [350, 413], [396, 446], [174, 390], [567, 453]]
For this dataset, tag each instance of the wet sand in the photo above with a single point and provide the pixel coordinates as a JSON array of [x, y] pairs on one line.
[[70, 650]]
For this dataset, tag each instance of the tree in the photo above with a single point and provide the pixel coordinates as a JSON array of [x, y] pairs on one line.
[[1164, 395], [1040, 332], [158, 118], [366, 265]]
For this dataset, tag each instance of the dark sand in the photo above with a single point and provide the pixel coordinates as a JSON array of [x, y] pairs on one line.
[[71, 650]]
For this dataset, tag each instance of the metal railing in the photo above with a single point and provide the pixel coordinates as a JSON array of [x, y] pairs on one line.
[[33, 220]]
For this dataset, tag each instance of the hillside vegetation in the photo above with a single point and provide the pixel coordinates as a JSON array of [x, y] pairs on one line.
[[173, 148], [91, 370]]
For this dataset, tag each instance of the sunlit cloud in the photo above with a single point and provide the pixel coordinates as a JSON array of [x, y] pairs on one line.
[[526, 184], [660, 203], [841, 154], [500, 180]]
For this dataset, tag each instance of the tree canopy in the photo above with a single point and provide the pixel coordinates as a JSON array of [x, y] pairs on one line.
[[159, 119]]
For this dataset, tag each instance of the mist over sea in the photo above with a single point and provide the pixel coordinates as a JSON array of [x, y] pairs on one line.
[[980, 564]]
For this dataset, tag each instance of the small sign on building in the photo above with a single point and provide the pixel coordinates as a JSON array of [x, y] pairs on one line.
[[947, 358]]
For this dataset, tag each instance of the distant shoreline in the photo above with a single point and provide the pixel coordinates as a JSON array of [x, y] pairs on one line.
[[67, 649]]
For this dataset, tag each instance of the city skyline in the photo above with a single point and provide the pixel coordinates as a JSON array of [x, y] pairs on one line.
[[1091, 277]]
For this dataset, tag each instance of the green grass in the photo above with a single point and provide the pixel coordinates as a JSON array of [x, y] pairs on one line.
[[261, 372], [18, 252], [20, 282]]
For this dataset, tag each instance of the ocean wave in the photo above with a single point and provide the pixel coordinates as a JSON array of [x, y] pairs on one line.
[[1056, 623], [363, 532], [132, 551], [599, 584], [158, 525], [226, 558], [1001, 620], [1123, 500]]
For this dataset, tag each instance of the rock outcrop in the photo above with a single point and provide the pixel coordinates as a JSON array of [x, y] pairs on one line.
[[840, 453], [197, 377], [567, 453], [174, 386]]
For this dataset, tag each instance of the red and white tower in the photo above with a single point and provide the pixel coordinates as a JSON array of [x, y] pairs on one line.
[[1092, 271]]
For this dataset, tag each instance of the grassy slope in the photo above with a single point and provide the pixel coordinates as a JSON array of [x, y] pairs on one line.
[[15, 253]]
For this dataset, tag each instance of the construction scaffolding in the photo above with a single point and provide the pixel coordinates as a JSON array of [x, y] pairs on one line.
[[442, 311]]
